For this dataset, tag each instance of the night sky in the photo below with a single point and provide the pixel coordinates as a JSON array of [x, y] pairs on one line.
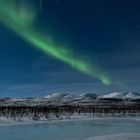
[[105, 32]]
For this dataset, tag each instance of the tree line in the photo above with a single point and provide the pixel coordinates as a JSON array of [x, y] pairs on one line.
[[66, 111]]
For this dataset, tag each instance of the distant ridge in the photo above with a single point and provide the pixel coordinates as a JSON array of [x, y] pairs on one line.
[[121, 95], [118, 95]]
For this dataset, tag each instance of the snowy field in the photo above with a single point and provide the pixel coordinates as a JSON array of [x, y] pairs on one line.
[[132, 136], [73, 129]]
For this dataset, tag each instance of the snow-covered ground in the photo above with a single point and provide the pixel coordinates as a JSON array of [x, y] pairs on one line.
[[127, 136], [73, 129], [83, 126]]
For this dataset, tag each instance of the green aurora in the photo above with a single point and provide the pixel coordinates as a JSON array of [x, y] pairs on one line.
[[21, 19]]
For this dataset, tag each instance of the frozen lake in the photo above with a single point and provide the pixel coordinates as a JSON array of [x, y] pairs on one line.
[[71, 130]]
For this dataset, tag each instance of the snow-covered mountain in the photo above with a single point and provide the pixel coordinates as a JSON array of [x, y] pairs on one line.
[[64, 96], [75, 99], [121, 95], [55, 95], [89, 95], [93, 96]]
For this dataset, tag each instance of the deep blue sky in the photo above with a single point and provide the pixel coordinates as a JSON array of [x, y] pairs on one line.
[[106, 31]]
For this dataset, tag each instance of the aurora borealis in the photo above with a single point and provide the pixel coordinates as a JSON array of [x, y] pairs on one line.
[[21, 19], [70, 46]]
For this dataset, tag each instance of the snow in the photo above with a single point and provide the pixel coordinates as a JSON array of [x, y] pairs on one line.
[[81, 99], [56, 95], [133, 136], [96, 123], [89, 95], [121, 95], [63, 98]]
